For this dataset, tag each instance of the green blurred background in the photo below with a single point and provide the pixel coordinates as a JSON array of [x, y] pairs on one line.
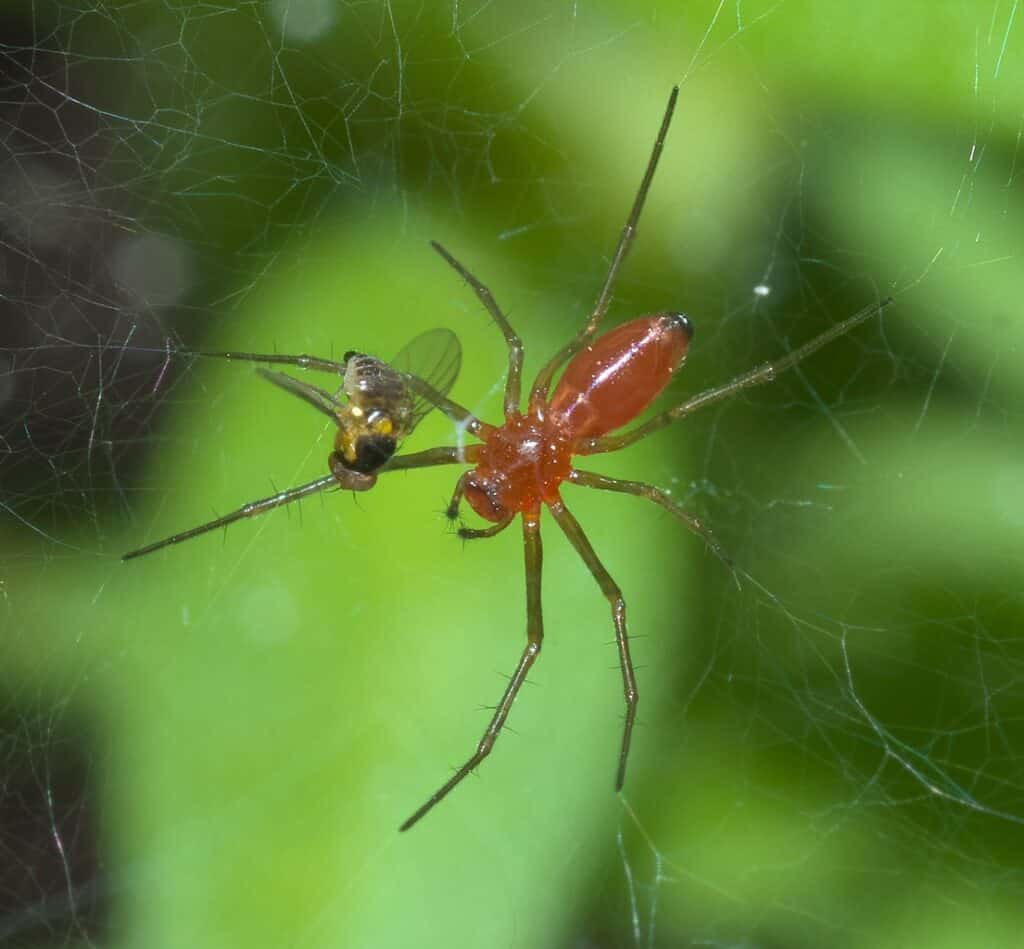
[[215, 746]]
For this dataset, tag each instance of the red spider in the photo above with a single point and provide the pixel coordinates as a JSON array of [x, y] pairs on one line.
[[521, 465]]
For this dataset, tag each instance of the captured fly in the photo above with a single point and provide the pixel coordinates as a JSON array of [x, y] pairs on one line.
[[376, 405]]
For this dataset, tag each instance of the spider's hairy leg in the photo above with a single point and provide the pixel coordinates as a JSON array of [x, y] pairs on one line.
[[249, 510], [539, 393], [515, 344], [757, 376], [452, 511], [460, 415], [431, 457], [340, 477], [317, 363], [662, 498], [613, 595], [534, 635], [480, 533]]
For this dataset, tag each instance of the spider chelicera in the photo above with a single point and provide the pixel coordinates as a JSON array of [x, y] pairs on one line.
[[520, 466]]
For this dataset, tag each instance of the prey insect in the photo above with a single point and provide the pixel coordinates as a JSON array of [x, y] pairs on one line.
[[375, 406], [519, 466]]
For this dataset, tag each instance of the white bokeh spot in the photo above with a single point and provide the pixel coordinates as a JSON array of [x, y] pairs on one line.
[[303, 21]]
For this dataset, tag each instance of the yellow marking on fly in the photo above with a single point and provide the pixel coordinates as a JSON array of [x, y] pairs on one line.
[[383, 426], [348, 444]]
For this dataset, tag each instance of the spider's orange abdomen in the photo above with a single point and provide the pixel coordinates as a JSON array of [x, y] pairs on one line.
[[520, 466], [615, 378]]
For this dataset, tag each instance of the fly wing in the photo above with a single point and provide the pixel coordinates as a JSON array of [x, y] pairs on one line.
[[431, 364]]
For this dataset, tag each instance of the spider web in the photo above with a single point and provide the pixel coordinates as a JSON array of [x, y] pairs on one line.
[[216, 745]]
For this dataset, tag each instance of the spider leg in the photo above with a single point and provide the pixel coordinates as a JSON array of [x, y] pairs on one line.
[[315, 396], [249, 510], [452, 511], [589, 479], [479, 533], [444, 455], [302, 361], [340, 477], [759, 375], [613, 594], [534, 635], [539, 393], [458, 414], [515, 344]]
